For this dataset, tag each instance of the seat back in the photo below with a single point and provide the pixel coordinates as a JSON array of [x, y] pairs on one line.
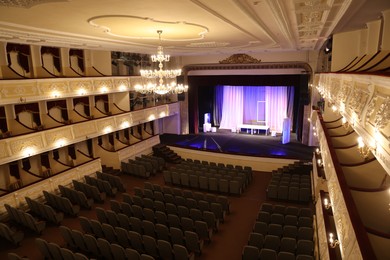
[[250, 253]]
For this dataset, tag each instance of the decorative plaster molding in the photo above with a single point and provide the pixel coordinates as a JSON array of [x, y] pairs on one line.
[[26, 3], [240, 59], [383, 115], [197, 30]]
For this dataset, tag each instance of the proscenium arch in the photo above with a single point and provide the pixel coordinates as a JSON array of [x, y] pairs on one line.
[[269, 72]]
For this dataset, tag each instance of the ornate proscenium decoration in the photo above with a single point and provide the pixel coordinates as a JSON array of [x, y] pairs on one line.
[[161, 88], [240, 59]]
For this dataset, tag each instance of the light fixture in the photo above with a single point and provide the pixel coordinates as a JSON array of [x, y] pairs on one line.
[[333, 242], [362, 148], [161, 87], [345, 123], [327, 204], [318, 151], [320, 163]]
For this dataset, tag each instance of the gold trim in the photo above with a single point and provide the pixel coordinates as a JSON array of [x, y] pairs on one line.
[[239, 59]]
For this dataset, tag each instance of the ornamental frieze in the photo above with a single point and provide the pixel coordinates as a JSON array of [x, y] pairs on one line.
[[240, 59], [371, 107], [382, 117]]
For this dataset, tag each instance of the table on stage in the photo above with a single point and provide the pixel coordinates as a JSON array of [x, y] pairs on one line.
[[253, 127]]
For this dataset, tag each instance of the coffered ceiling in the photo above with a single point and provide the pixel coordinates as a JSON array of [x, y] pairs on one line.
[[190, 27]]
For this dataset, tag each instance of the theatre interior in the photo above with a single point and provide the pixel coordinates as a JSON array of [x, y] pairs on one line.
[[193, 129]]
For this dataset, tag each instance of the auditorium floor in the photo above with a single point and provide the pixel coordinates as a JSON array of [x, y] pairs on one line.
[[226, 244], [242, 144]]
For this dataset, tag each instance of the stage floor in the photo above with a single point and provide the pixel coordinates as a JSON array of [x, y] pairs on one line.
[[242, 144]]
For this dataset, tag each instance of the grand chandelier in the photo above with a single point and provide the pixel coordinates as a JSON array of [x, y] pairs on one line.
[[160, 87]]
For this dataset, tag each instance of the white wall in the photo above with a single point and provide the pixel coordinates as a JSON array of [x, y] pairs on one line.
[[386, 28], [344, 49]]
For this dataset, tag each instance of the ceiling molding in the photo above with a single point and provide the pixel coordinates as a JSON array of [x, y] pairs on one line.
[[223, 18], [27, 3], [174, 33]]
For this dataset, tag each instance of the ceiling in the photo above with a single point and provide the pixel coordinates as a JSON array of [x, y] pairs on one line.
[[189, 27]]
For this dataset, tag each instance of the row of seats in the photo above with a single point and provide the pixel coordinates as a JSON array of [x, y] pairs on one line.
[[170, 204], [286, 210], [291, 183], [124, 211], [53, 251], [300, 167], [149, 223], [98, 247], [135, 236], [284, 244], [25, 219], [291, 194], [61, 203], [143, 166], [218, 171], [115, 181], [89, 191], [76, 197], [13, 236], [291, 220], [281, 232], [44, 211], [158, 162], [161, 150], [304, 232], [188, 194], [135, 169], [253, 253], [211, 184], [103, 186], [214, 167]]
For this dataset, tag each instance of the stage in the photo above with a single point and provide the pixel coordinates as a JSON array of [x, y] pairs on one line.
[[241, 144]]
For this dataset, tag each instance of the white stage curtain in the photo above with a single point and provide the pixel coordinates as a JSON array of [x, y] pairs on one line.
[[233, 107], [240, 105], [276, 107]]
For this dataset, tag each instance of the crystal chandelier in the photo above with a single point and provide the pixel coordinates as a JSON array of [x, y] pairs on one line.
[[160, 75]]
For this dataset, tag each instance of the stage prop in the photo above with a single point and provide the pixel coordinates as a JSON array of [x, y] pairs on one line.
[[207, 124], [253, 127], [286, 130]]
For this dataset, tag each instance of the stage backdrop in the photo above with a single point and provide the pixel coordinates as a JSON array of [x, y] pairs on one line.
[[260, 105]]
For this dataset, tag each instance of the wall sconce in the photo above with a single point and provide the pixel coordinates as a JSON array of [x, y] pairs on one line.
[[362, 148], [55, 94], [333, 242], [345, 123], [125, 124], [320, 163], [60, 142], [104, 89], [107, 129], [81, 92], [318, 151], [122, 87], [28, 151], [327, 204]]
